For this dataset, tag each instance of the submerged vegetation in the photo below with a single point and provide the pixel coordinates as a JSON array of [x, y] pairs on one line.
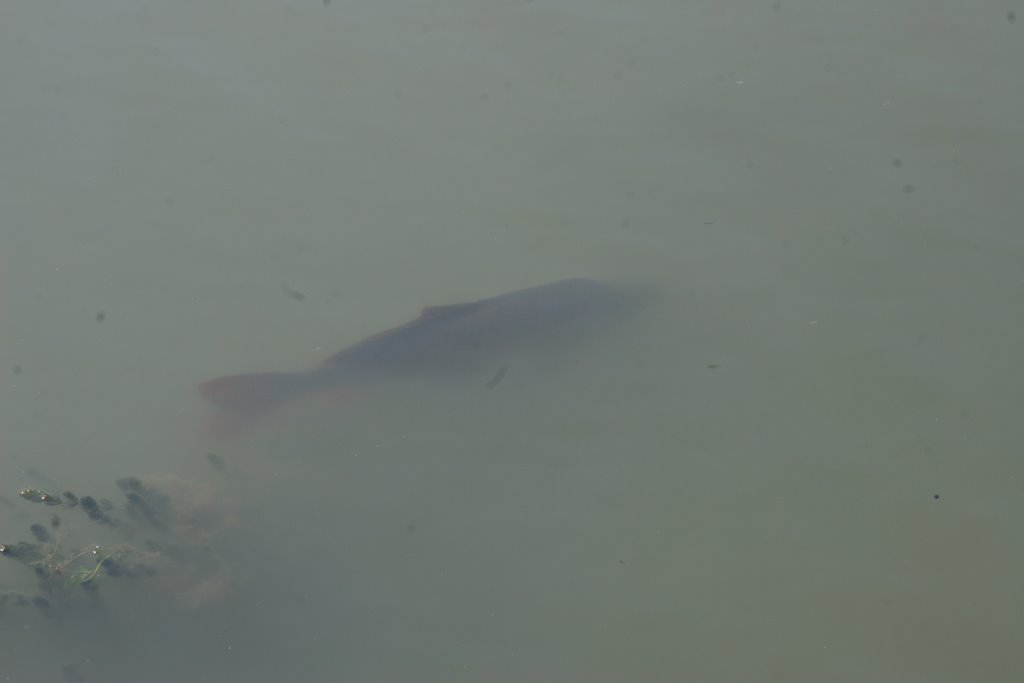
[[162, 532]]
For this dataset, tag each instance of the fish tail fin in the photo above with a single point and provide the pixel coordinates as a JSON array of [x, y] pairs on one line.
[[243, 399]]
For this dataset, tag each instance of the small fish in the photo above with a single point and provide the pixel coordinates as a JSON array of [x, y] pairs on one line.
[[443, 342]]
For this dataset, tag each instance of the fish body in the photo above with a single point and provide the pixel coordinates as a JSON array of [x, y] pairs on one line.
[[446, 341]]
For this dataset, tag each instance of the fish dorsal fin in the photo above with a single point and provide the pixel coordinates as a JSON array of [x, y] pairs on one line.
[[428, 317], [448, 310]]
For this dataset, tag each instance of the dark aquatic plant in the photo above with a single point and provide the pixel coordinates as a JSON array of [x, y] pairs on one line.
[[163, 533]]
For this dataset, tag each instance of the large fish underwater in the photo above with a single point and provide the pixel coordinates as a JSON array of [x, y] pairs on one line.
[[449, 341]]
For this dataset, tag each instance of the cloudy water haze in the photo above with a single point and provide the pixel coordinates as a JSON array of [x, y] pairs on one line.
[[802, 464]]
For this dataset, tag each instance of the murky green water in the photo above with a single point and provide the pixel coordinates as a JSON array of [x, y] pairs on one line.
[[805, 466]]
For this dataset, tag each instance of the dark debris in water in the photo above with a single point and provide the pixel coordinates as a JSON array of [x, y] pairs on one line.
[[172, 520], [39, 496], [293, 294], [95, 510], [40, 533]]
